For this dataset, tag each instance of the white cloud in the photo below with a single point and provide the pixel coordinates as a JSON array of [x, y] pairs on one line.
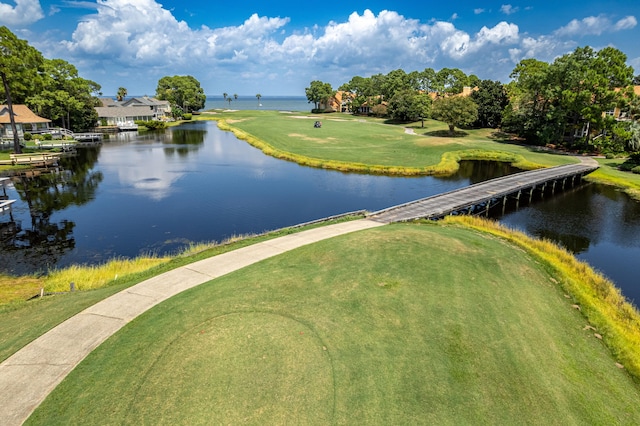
[[478, 11], [138, 41], [595, 25], [24, 12], [625, 23], [507, 9]]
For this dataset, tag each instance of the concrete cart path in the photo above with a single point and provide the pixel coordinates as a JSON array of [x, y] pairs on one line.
[[28, 376]]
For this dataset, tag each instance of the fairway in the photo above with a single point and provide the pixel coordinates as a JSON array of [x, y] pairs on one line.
[[403, 324], [347, 142]]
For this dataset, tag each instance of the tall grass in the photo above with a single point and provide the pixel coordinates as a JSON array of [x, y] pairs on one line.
[[600, 301], [92, 277]]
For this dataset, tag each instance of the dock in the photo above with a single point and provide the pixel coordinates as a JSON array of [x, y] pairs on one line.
[[479, 198], [5, 203]]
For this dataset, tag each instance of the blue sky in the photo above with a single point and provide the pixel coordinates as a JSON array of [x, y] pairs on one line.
[[278, 47]]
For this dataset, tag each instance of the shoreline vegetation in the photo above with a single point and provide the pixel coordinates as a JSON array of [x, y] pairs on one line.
[[610, 317]]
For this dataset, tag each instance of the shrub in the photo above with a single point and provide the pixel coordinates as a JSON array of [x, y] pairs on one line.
[[636, 170], [186, 116], [48, 136], [152, 125], [28, 136]]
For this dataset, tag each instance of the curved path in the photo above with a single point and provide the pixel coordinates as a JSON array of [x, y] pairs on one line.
[[29, 375]]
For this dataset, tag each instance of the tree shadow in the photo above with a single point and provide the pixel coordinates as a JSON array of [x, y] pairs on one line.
[[447, 134]]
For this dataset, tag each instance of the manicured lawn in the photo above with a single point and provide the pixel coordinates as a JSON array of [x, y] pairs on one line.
[[369, 141], [402, 324]]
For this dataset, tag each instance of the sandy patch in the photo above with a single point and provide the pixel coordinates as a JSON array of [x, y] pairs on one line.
[[310, 139], [303, 117], [231, 121]]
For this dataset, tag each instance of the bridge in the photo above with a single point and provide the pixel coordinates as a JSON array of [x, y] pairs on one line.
[[479, 198]]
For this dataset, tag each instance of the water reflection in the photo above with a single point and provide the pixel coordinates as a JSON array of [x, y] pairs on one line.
[[42, 242], [598, 223]]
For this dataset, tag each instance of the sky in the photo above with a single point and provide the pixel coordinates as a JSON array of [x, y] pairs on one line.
[[276, 48]]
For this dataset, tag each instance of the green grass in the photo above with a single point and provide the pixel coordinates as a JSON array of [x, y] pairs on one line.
[[22, 321], [402, 324], [609, 174], [370, 145]]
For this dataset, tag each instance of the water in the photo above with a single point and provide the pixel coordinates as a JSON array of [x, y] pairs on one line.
[[158, 192], [598, 223], [278, 103]]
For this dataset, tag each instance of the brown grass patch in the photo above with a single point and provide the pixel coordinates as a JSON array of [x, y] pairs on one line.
[[309, 138]]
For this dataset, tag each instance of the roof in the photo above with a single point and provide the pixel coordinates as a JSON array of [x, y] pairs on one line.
[[107, 112], [22, 114], [143, 101]]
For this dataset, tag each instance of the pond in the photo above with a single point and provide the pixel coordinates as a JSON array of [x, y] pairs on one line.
[[159, 192]]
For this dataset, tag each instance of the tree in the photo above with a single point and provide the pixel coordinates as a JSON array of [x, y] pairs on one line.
[[319, 92], [122, 92], [450, 81], [491, 99], [65, 98], [235, 96], [224, 95], [258, 96], [183, 91], [409, 105], [456, 111], [19, 72]]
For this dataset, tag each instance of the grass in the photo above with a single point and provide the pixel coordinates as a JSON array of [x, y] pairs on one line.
[[609, 174], [349, 143], [403, 324], [22, 321]]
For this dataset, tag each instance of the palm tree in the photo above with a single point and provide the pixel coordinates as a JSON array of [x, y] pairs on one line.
[[224, 95], [122, 92], [258, 96], [229, 100], [235, 96]]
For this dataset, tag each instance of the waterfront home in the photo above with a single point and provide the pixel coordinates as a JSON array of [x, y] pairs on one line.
[[124, 114], [26, 122]]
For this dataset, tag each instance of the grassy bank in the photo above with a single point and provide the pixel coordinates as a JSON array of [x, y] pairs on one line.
[[609, 174], [407, 323], [349, 143]]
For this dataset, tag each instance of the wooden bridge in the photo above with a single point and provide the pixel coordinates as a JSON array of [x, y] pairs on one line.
[[479, 198]]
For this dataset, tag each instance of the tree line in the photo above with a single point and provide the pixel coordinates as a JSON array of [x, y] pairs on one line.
[[567, 103], [52, 88]]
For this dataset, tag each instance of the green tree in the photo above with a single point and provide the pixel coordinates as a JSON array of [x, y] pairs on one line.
[[66, 98], [491, 99], [409, 105], [122, 92], [183, 91], [319, 92], [19, 72], [456, 111], [450, 81], [258, 96]]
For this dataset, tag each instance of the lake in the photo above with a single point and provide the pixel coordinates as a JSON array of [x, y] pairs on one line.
[[159, 192]]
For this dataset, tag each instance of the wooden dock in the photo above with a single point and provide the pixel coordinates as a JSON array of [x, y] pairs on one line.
[[5, 203], [480, 197]]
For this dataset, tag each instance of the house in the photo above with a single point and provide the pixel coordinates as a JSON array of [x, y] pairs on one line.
[[114, 113], [26, 121]]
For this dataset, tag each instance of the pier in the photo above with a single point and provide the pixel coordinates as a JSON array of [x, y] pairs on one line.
[[479, 198]]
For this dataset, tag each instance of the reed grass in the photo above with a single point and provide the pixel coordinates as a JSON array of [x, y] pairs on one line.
[[615, 319], [93, 277], [609, 174]]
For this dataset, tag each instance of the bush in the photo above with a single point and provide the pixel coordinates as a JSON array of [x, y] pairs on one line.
[[186, 116], [152, 125], [28, 136], [636, 170], [48, 136]]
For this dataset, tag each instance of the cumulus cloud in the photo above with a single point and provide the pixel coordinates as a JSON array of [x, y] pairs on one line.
[[507, 9], [24, 12], [478, 11], [595, 25], [128, 35]]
